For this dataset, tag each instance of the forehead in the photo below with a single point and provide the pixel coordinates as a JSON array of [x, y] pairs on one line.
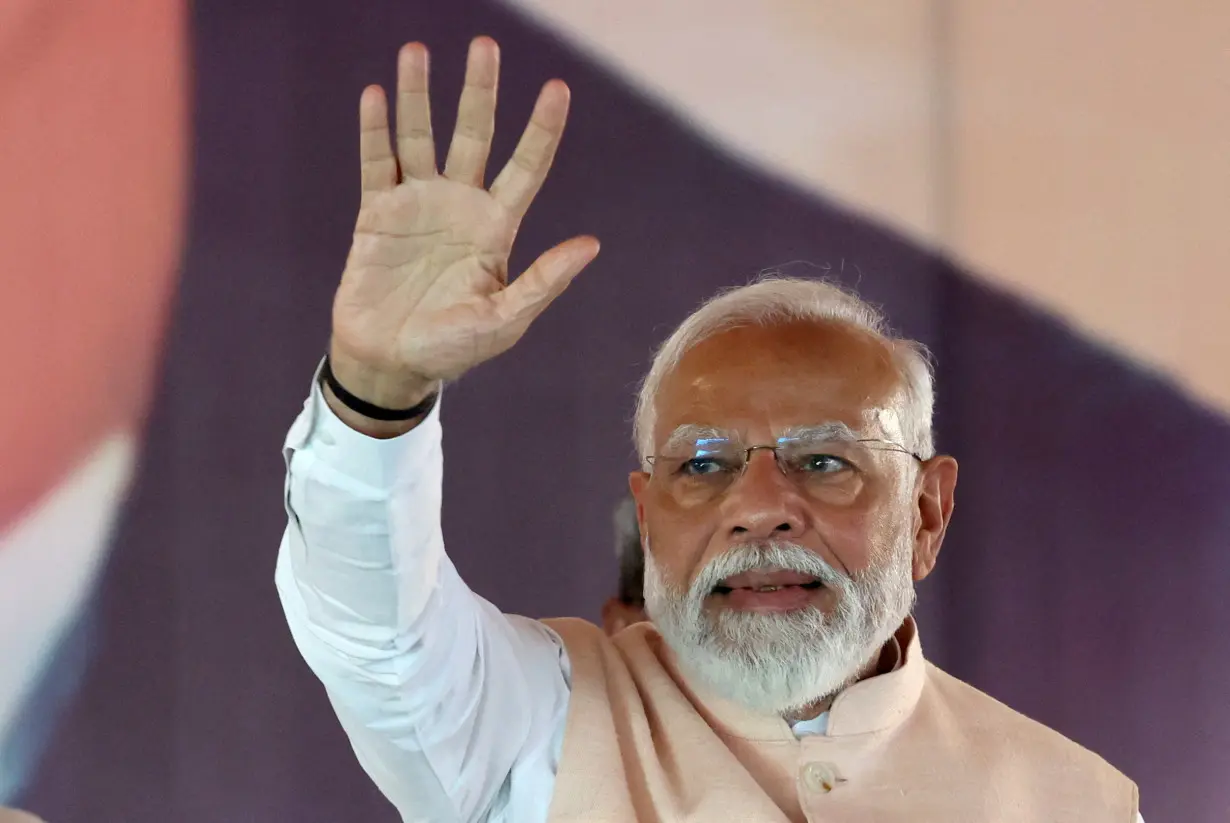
[[764, 379]]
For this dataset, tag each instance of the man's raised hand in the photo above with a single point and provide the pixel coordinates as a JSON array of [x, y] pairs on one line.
[[425, 294]]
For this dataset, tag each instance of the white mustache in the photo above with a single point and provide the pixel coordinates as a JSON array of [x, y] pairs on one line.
[[773, 555], [779, 662]]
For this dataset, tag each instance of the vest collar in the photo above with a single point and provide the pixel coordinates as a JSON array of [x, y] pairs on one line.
[[871, 705], [885, 700]]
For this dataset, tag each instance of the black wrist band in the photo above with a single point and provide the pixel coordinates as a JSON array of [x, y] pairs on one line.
[[371, 410]]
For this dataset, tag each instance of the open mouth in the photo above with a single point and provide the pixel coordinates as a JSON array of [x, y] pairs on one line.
[[767, 581]]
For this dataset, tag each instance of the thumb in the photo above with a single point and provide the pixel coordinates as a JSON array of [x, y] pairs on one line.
[[548, 276]]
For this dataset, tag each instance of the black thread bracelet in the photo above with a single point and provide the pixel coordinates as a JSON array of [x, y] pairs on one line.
[[371, 410]]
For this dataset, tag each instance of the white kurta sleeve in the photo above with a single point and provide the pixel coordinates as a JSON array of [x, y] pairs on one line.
[[455, 709]]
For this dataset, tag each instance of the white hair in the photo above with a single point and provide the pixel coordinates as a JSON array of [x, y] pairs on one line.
[[773, 300], [782, 663]]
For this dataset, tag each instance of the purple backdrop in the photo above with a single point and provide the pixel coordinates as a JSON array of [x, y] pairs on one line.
[[1083, 580]]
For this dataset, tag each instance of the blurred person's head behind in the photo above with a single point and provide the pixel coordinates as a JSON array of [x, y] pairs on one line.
[[627, 605]]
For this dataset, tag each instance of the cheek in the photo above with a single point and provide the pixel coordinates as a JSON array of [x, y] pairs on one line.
[[677, 542], [857, 537]]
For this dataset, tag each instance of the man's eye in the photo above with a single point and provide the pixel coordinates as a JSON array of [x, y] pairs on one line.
[[703, 465], [822, 464]]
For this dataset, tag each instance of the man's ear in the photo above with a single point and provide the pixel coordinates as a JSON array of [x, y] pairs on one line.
[[935, 503], [637, 481]]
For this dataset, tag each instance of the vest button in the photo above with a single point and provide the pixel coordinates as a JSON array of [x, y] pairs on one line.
[[821, 777]]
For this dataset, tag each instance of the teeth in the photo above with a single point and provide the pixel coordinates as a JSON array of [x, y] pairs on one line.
[[768, 588]]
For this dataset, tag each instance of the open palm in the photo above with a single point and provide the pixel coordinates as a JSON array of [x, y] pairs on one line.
[[426, 292]]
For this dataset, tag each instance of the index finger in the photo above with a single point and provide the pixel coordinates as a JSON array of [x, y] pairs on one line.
[[522, 177]]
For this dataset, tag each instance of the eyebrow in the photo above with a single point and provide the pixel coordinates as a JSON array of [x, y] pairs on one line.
[[835, 430], [690, 434]]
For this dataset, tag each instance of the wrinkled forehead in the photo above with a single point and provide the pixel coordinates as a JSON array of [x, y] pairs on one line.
[[757, 382]]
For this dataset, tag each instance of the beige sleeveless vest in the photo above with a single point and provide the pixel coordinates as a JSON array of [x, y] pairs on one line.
[[15, 816], [913, 745]]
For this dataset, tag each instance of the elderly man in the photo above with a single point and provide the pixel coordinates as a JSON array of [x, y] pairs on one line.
[[788, 498]]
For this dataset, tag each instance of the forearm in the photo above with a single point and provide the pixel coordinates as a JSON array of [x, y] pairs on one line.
[[363, 545], [440, 693]]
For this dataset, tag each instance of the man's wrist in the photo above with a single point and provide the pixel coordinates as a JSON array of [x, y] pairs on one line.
[[364, 386], [381, 387], [372, 410], [379, 429]]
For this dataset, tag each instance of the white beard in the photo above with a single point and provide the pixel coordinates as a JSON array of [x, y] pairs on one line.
[[781, 663]]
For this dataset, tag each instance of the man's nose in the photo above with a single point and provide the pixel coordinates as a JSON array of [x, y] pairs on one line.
[[764, 503]]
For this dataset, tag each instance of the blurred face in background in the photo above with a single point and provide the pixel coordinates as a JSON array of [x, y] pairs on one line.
[[92, 129], [627, 606]]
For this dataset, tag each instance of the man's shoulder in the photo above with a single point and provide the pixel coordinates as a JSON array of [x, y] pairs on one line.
[[993, 726], [592, 652], [575, 630], [15, 816]]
